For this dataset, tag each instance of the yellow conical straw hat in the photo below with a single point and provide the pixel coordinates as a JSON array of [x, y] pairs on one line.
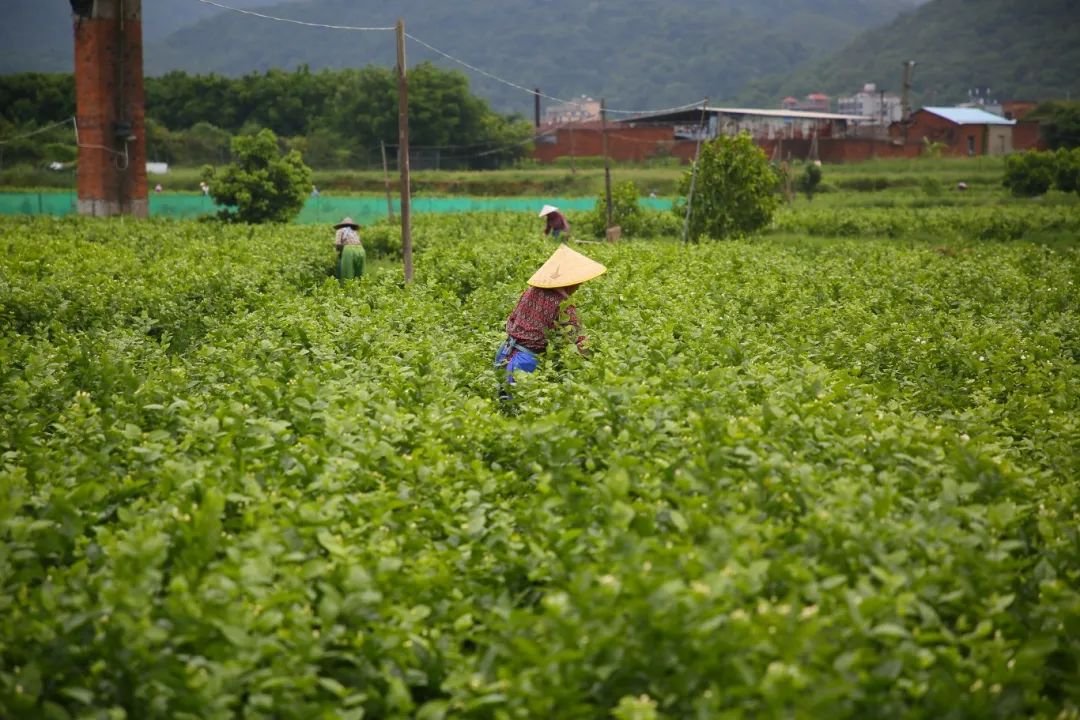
[[566, 267]]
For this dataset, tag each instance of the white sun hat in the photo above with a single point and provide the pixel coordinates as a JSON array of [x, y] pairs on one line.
[[566, 267], [547, 210]]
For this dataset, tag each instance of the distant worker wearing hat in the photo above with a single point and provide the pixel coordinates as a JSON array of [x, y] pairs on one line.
[[538, 311], [351, 255], [556, 221]]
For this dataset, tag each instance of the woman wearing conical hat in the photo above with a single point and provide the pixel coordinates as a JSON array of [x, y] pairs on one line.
[[539, 311], [556, 221], [351, 256]]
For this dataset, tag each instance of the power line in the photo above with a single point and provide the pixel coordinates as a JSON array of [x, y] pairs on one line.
[[38, 131], [446, 55], [496, 78], [295, 22], [495, 145]]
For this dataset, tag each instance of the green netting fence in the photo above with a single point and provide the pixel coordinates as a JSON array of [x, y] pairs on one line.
[[316, 210]]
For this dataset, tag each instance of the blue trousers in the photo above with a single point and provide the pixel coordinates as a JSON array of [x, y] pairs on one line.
[[514, 357]]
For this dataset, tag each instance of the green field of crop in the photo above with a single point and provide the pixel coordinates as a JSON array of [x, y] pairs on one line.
[[827, 472], [585, 178]]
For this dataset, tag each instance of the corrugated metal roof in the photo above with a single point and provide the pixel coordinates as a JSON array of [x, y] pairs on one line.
[[968, 116], [796, 114], [693, 114]]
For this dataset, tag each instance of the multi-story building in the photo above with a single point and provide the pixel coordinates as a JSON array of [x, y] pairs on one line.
[[814, 102], [582, 109], [880, 107]]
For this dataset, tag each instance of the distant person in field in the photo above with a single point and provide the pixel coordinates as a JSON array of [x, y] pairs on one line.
[[539, 312], [351, 256], [556, 221]]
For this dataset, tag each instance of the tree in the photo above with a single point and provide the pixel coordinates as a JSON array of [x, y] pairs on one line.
[[810, 179], [625, 211], [1067, 170], [442, 114], [1059, 123], [260, 185], [1029, 174], [205, 143], [735, 191]]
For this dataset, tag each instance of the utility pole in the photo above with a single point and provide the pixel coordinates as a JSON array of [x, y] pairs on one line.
[[536, 107], [573, 168], [607, 160], [386, 181], [403, 152], [693, 173], [905, 92]]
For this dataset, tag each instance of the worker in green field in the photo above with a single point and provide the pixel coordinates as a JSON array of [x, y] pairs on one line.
[[540, 312], [351, 256], [556, 222]]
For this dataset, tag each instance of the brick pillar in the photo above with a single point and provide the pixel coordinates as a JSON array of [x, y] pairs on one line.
[[109, 107]]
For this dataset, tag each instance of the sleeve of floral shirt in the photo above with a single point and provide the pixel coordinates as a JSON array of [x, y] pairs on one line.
[[568, 321], [345, 236]]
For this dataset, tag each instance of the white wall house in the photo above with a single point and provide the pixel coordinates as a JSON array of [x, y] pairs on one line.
[[880, 107], [582, 109]]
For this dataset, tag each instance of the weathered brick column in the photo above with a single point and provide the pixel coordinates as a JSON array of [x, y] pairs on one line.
[[109, 107]]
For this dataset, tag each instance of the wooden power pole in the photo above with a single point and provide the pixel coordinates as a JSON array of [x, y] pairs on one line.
[[693, 171], [403, 151], [386, 182], [607, 160]]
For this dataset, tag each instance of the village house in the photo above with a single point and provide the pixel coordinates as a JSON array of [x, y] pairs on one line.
[[794, 134], [963, 131], [582, 109], [879, 107], [814, 102]]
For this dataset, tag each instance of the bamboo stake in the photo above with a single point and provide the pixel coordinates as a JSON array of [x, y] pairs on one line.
[[386, 181], [403, 150]]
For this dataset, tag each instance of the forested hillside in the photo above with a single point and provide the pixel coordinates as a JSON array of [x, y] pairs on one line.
[[635, 52], [36, 34], [1028, 49]]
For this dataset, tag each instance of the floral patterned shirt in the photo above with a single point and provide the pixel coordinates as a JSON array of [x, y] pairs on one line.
[[537, 313], [346, 236]]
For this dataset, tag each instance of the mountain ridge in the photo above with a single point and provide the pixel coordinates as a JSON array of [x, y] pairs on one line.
[[634, 53], [36, 36], [1028, 50]]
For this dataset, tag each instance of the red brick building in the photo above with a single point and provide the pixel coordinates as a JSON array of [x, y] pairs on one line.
[[625, 144], [1026, 133], [963, 131], [675, 134], [1017, 109], [832, 138], [814, 102]]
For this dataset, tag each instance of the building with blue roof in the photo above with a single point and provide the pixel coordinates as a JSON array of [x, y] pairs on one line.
[[962, 130]]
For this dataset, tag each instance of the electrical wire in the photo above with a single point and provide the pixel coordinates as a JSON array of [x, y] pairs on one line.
[[38, 131], [121, 160], [497, 147], [508, 83], [446, 55], [296, 22]]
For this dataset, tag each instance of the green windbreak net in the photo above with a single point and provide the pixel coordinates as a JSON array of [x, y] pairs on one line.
[[316, 210]]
